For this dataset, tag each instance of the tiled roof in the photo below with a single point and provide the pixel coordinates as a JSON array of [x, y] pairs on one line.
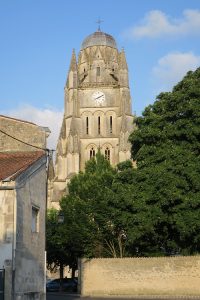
[[14, 163]]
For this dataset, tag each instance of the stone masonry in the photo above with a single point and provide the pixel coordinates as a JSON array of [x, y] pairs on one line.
[[150, 277], [97, 111]]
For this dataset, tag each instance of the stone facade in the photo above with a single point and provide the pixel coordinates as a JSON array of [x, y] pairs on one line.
[[6, 236], [28, 132], [22, 247], [97, 110], [156, 277]]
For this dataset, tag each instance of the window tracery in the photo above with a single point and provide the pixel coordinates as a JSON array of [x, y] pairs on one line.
[[92, 153], [107, 153]]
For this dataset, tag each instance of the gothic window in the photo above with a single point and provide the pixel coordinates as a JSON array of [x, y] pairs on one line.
[[98, 71], [107, 153], [99, 125], [87, 125], [92, 152], [111, 124]]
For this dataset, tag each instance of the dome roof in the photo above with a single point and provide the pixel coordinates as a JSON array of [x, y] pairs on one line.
[[99, 38]]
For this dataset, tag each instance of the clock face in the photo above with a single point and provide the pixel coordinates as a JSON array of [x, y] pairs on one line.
[[98, 97]]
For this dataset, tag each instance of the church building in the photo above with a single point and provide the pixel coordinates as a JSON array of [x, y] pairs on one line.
[[97, 110]]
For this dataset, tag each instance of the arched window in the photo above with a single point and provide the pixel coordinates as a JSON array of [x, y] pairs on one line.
[[87, 125], [99, 125], [111, 124], [107, 153], [92, 152]]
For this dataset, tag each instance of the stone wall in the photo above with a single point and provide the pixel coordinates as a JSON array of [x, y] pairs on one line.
[[22, 130], [6, 225], [7, 204], [164, 276], [30, 246]]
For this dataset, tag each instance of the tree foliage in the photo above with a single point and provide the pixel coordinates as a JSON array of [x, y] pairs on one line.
[[167, 147], [56, 246], [95, 210]]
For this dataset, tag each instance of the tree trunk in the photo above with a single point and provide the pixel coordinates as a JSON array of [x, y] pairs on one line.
[[120, 247], [73, 272]]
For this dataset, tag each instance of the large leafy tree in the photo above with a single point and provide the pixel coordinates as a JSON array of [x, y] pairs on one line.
[[104, 216], [166, 146], [97, 210], [95, 216], [89, 193]]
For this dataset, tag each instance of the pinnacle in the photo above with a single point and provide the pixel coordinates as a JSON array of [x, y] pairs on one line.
[[124, 123], [123, 63], [73, 63]]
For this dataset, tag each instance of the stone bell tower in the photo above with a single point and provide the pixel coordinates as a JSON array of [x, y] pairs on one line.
[[97, 110]]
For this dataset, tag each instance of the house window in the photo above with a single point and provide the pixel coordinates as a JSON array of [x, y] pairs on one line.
[[107, 153], [92, 152], [111, 124], [99, 125], [98, 71], [87, 125], [35, 221]]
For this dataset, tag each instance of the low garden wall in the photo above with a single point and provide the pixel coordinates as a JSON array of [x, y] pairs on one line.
[[163, 276]]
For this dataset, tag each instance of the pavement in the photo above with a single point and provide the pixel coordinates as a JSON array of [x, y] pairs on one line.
[[62, 296], [65, 296]]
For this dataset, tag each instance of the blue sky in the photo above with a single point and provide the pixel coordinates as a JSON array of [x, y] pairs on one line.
[[161, 39]]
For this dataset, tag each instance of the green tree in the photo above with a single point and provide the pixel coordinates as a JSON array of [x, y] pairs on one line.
[[166, 146], [96, 209], [57, 256]]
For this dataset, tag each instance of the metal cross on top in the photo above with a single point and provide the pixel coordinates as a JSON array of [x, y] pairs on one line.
[[99, 21]]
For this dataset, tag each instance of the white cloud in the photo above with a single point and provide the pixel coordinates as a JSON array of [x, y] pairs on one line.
[[157, 24], [44, 117], [171, 68]]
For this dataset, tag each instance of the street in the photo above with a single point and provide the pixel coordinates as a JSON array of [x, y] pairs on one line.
[[63, 296], [60, 296]]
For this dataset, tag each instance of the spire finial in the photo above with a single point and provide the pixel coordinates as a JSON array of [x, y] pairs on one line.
[[99, 21]]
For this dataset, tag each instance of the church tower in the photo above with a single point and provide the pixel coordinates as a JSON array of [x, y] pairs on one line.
[[97, 110]]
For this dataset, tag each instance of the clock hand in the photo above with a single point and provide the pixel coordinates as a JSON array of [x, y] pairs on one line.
[[98, 97]]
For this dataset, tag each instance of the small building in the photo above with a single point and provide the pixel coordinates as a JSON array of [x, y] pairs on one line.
[[23, 195], [22, 223]]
